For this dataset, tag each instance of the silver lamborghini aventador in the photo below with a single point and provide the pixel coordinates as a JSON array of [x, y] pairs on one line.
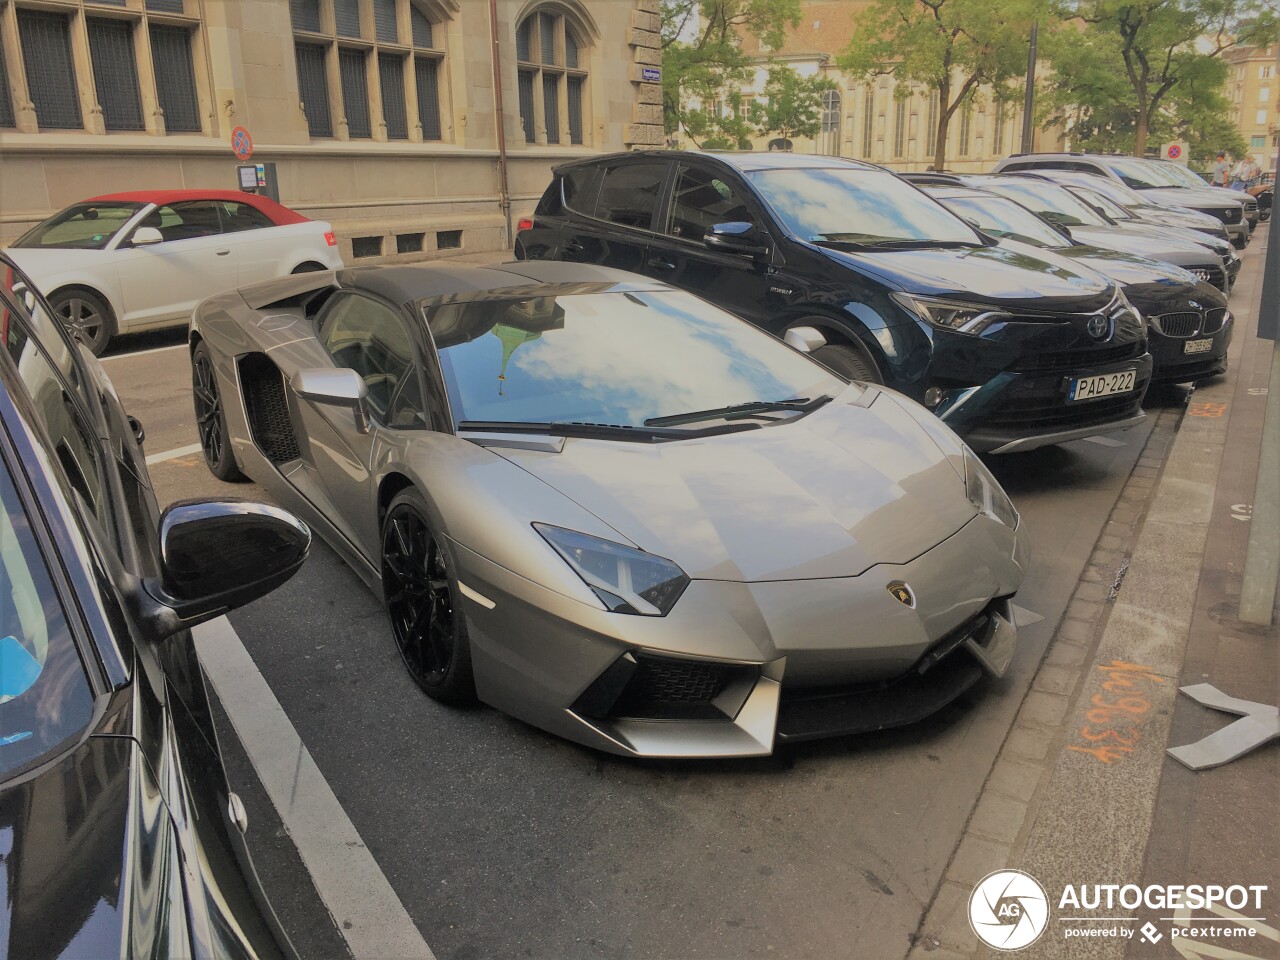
[[608, 508]]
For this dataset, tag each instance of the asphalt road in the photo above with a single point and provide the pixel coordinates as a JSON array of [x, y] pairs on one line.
[[502, 841]]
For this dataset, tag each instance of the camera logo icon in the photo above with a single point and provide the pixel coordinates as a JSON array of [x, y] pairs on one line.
[[1008, 910]]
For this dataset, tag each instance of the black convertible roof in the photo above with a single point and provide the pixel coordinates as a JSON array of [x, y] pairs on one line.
[[403, 284]]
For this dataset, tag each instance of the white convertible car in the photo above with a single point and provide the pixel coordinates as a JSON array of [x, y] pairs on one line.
[[135, 261]]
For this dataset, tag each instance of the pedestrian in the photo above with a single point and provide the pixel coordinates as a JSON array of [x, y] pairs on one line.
[[1221, 170], [1246, 173]]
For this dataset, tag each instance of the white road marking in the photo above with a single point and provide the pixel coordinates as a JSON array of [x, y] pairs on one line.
[[141, 353], [1105, 441], [366, 909], [1022, 617], [479, 598], [173, 454]]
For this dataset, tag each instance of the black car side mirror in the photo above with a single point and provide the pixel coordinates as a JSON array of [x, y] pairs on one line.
[[216, 555], [736, 237]]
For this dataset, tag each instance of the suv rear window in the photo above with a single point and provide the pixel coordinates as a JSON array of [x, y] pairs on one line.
[[629, 193], [45, 699]]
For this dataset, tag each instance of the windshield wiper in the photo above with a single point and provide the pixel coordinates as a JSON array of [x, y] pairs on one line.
[[598, 431], [921, 244], [739, 410]]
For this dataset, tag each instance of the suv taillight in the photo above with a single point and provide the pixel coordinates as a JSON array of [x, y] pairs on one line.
[[331, 238], [525, 223]]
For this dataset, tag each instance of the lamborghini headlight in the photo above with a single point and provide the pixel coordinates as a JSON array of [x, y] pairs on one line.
[[625, 579], [985, 492], [951, 314]]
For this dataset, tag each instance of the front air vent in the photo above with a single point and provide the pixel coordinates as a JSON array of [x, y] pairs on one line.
[[266, 409], [1178, 324], [645, 686], [1214, 320]]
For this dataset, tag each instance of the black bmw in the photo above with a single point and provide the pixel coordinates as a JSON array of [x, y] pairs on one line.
[[119, 835], [1013, 350]]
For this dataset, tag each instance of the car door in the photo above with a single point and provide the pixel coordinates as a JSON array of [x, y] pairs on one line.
[[164, 281], [376, 340], [701, 196], [611, 207], [258, 245]]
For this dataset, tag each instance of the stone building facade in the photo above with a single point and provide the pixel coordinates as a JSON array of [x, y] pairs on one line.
[[1253, 88], [381, 116]]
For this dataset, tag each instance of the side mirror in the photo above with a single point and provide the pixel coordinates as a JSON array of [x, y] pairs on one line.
[[804, 339], [216, 555], [146, 236], [736, 237], [342, 387]]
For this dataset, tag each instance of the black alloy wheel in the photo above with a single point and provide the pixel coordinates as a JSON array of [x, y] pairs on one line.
[[420, 596], [86, 316], [848, 362], [211, 423]]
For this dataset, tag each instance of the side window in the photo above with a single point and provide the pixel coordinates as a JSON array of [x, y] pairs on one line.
[[66, 422], [701, 199], [185, 221], [1017, 165], [629, 193], [373, 340], [38, 320], [237, 217], [581, 186]]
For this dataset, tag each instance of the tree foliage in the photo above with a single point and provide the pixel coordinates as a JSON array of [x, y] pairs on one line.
[[951, 47], [1129, 70], [794, 106], [703, 60]]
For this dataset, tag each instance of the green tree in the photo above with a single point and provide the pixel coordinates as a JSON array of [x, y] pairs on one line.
[[951, 47], [794, 107], [1154, 46], [703, 60]]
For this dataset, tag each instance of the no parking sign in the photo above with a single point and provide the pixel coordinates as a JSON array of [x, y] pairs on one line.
[[241, 143]]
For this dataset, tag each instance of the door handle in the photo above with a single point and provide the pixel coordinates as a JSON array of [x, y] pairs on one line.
[[223, 253], [658, 263], [573, 246]]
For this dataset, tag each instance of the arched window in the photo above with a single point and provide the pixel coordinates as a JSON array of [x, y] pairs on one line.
[[386, 56], [552, 77], [831, 107]]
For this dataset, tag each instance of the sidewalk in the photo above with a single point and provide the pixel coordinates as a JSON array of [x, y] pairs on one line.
[[1083, 792]]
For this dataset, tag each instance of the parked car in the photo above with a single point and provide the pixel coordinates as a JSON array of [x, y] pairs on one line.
[[121, 836], [1086, 224], [135, 261], [613, 510], [1152, 182], [1264, 193], [1122, 204], [1004, 346], [1186, 178], [1188, 324]]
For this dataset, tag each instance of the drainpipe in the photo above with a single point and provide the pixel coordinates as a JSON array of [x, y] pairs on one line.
[[500, 120]]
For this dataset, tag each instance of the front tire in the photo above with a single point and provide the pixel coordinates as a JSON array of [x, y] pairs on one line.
[[421, 597], [211, 419], [86, 315], [848, 362]]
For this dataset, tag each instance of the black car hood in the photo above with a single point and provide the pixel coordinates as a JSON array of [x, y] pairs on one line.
[[88, 859], [997, 275], [1190, 197], [1151, 286], [1146, 242]]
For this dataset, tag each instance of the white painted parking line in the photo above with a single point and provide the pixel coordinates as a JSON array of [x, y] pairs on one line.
[[142, 353], [367, 910], [173, 454], [1105, 441]]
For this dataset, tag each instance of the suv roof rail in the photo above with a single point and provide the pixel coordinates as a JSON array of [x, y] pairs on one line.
[[933, 177]]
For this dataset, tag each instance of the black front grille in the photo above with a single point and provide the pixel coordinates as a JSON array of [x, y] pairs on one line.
[[1073, 359], [1211, 275], [662, 681], [266, 409], [1042, 413], [1214, 320], [1230, 215], [1178, 324]]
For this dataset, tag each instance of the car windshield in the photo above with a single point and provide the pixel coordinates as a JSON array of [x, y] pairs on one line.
[[1049, 200], [1006, 220], [610, 358], [1179, 174], [1104, 204], [1117, 193], [858, 206], [85, 226], [45, 699], [1139, 175]]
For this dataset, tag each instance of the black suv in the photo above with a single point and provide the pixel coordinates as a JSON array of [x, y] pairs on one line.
[[1013, 349]]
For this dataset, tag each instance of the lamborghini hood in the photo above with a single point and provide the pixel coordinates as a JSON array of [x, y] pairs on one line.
[[829, 494]]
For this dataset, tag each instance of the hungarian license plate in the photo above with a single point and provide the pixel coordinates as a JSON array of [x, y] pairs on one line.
[[1102, 385], [1197, 346]]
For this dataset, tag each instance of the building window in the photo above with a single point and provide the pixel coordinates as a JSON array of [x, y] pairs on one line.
[[832, 107], [931, 126], [1260, 119], [51, 76], [115, 73], [899, 128], [868, 122], [392, 43], [551, 81], [1264, 94], [966, 129], [175, 78], [6, 100], [1257, 143], [997, 135], [1266, 71]]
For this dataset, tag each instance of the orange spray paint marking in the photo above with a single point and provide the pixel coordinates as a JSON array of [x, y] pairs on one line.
[[1117, 713], [1213, 410]]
